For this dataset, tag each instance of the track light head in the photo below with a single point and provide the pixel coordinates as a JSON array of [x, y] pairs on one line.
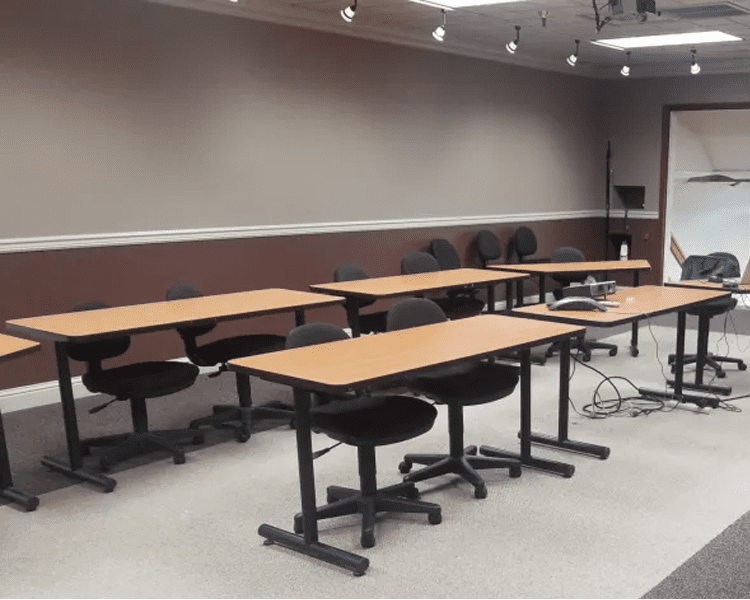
[[511, 47], [625, 71], [695, 68], [573, 58], [349, 12], [439, 32]]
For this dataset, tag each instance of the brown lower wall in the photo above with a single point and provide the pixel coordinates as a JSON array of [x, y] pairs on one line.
[[39, 283]]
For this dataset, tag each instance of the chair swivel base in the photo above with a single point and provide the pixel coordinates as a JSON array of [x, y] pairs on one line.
[[129, 445], [465, 466], [399, 498], [585, 347], [711, 361], [241, 418]]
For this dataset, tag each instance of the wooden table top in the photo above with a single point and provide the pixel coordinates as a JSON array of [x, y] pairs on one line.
[[11, 346], [404, 285], [577, 267], [363, 361], [154, 316], [739, 288], [635, 304]]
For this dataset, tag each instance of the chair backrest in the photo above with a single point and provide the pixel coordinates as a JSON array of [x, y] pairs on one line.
[[445, 254], [93, 353], [524, 241], [488, 247], [418, 262], [352, 272], [567, 254], [414, 312], [314, 333], [699, 266], [180, 291]]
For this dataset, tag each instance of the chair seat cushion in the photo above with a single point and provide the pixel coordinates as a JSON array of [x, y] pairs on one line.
[[485, 382], [714, 308], [456, 307], [374, 420], [142, 380], [225, 349]]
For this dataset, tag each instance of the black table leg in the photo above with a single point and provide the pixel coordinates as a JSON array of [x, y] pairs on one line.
[[74, 466], [7, 490], [525, 435], [308, 543], [679, 364], [491, 298], [299, 317], [563, 413], [634, 326], [542, 290], [352, 316]]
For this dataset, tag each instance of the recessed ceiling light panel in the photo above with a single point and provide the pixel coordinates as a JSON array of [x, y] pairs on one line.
[[672, 39], [451, 4]]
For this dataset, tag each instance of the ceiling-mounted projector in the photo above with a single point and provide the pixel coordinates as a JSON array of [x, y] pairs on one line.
[[628, 9]]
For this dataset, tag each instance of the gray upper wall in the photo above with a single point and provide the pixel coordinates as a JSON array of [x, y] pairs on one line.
[[633, 120], [122, 115]]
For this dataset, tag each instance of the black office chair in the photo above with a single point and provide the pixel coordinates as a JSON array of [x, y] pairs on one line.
[[371, 322], [456, 304], [719, 265], [366, 422], [462, 385], [580, 344], [525, 247], [221, 351], [135, 383], [487, 247]]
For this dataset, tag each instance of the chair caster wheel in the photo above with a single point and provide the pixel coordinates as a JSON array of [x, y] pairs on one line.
[[613, 352], [480, 491], [586, 358], [368, 539], [411, 493], [634, 352], [721, 374], [742, 367], [179, 459], [405, 467], [515, 471], [242, 434], [471, 451], [435, 518], [268, 542]]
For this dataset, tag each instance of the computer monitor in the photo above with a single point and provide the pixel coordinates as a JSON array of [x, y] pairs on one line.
[[632, 197]]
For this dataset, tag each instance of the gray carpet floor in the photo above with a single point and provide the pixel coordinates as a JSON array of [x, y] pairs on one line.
[[663, 516]]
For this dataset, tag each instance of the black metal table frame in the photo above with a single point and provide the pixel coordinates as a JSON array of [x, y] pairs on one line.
[[308, 542], [74, 466]]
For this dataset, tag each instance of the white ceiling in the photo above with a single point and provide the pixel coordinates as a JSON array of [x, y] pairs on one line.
[[484, 31]]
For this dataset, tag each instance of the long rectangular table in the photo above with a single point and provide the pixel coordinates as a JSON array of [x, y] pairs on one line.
[[393, 286], [637, 303], [13, 347], [142, 318], [379, 360], [544, 269]]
